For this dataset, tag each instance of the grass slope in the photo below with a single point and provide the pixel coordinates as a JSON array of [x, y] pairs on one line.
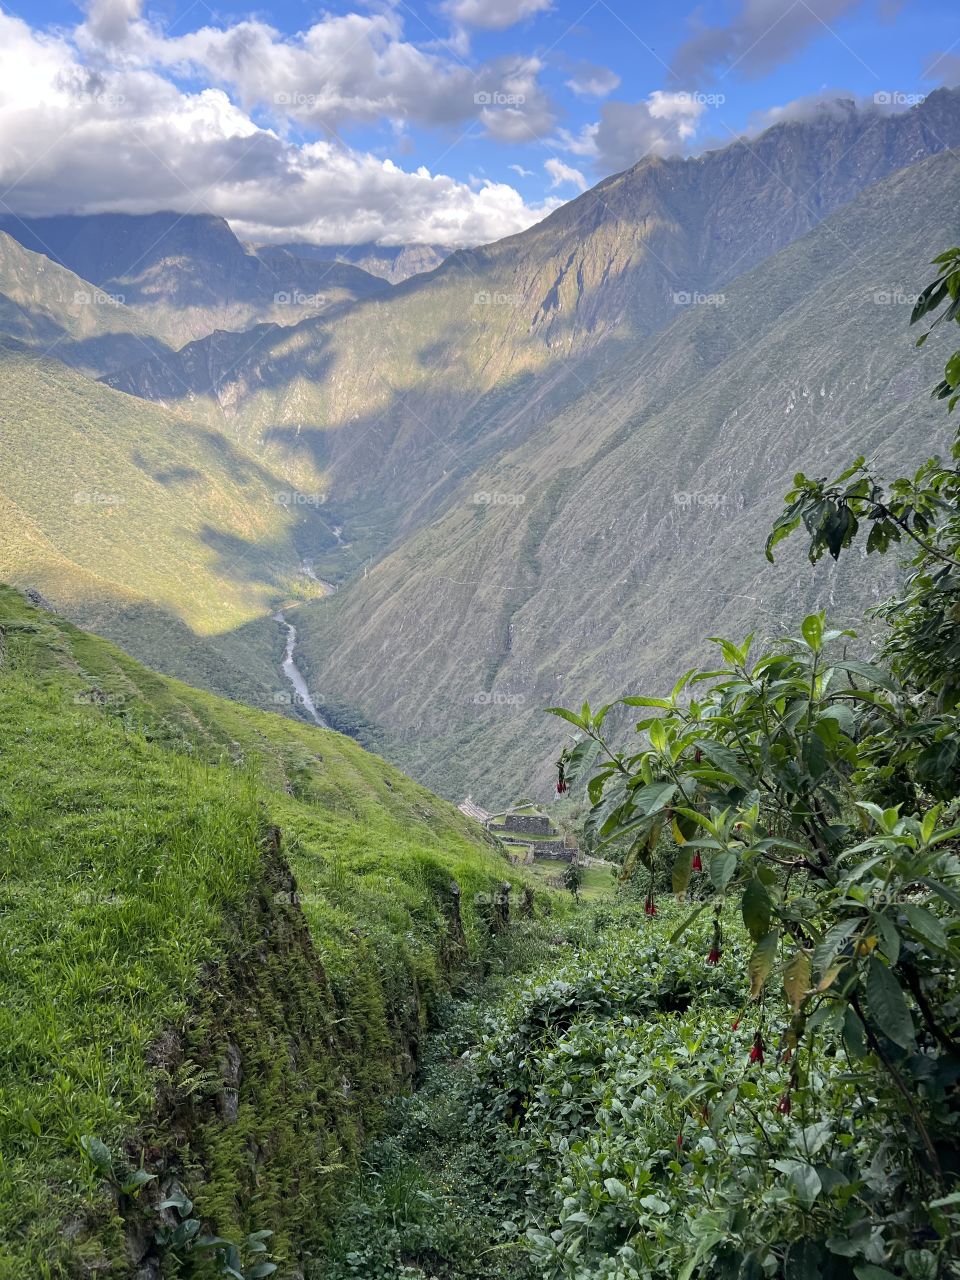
[[168, 986], [161, 535]]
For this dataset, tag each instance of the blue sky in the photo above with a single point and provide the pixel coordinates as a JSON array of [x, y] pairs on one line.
[[464, 118]]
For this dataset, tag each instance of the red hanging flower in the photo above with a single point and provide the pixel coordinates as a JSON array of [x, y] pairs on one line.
[[736, 1025], [714, 958], [783, 1106], [649, 907], [696, 864], [679, 1139], [757, 1052], [561, 787]]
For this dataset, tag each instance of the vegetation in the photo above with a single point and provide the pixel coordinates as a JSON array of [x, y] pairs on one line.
[[819, 793], [184, 991]]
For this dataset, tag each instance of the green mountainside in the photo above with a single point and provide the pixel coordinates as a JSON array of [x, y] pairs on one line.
[[58, 314], [187, 275], [384, 408], [632, 523], [223, 933], [152, 531]]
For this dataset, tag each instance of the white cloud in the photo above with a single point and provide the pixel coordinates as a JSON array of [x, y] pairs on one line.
[[561, 173], [495, 15], [628, 131], [130, 140], [109, 21], [520, 171], [590, 81]]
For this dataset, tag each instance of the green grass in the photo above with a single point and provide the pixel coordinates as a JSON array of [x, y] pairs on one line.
[[598, 882], [138, 911]]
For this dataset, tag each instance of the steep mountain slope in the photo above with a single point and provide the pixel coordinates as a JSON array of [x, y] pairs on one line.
[[223, 933], [385, 407], [56, 313], [631, 525], [188, 274], [154, 532], [394, 263]]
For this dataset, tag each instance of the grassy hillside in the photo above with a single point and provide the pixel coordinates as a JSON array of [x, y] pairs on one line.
[[641, 510], [157, 534], [56, 313], [222, 934]]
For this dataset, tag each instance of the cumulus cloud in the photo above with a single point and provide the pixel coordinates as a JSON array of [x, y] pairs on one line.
[[109, 21], [128, 139], [495, 15], [561, 173], [590, 81], [761, 35], [628, 131]]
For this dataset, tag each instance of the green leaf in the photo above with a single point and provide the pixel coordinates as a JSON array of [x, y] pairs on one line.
[[812, 628], [757, 909], [564, 714], [682, 929], [615, 1188], [680, 877], [725, 760], [867, 1271], [888, 1006], [722, 867], [761, 962], [98, 1153], [926, 925]]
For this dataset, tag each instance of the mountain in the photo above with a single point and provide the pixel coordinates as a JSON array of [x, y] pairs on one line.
[[56, 313], [593, 559], [188, 274], [224, 934], [387, 406], [395, 263], [147, 529]]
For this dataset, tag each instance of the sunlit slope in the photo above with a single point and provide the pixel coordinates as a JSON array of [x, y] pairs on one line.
[[58, 314], [158, 533], [632, 525], [393, 401], [167, 986]]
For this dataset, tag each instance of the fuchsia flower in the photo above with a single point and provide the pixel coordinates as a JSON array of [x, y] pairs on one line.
[[561, 787], [757, 1052], [783, 1106], [696, 864], [736, 1025], [714, 958], [649, 907]]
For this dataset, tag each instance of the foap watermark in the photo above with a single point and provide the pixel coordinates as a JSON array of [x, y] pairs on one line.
[[484, 298], [97, 298], [897, 99], [97, 698], [104, 99], [699, 99], [293, 498], [496, 98], [296, 98], [494, 698], [691, 298], [281, 698], [486, 498], [697, 498], [93, 498], [296, 298], [894, 298]]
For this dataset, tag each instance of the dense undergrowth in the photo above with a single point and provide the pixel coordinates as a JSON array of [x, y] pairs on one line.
[[223, 934], [609, 1116]]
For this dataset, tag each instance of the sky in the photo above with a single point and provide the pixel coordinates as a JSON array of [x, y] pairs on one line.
[[448, 122]]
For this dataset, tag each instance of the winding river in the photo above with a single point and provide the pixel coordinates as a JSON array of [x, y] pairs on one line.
[[295, 675]]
